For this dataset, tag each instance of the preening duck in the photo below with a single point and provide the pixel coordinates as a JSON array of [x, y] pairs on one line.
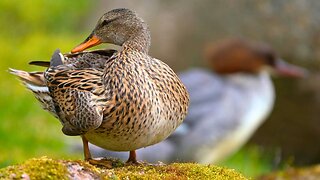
[[134, 101]]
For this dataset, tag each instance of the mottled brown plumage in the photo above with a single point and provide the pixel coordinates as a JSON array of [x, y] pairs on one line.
[[36, 82], [132, 102]]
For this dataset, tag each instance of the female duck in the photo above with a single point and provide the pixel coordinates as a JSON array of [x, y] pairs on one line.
[[134, 102]]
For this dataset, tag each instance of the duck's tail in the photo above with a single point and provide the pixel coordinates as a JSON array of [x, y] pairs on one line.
[[32, 80], [36, 83]]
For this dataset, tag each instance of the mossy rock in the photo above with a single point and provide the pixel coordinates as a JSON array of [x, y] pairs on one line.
[[311, 173], [46, 168]]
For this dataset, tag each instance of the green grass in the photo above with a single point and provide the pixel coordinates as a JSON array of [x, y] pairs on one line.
[[251, 160], [32, 30]]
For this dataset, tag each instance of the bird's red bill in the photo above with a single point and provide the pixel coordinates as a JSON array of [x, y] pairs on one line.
[[93, 41], [285, 69]]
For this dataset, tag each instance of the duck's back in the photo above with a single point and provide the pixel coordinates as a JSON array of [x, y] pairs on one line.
[[92, 59]]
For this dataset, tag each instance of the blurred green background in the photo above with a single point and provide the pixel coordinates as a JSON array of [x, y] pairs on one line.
[[32, 30]]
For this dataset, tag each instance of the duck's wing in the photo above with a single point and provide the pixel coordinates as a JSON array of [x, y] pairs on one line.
[[87, 59], [76, 98], [40, 63], [56, 59], [101, 52], [76, 95]]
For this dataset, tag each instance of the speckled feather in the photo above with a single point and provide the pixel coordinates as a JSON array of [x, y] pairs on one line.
[[36, 82]]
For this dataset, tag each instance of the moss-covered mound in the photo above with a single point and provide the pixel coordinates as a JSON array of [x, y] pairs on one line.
[[46, 168], [312, 172], [42, 168]]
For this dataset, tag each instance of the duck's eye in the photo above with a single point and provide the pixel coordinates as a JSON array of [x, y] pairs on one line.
[[104, 22], [107, 21]]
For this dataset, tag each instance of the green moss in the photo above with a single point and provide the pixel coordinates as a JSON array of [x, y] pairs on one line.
[[45, 168], [312, 172], [173, 171], [42, 168]]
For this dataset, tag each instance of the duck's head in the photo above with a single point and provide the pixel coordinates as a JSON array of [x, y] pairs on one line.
[[116, 27], [238, 55]]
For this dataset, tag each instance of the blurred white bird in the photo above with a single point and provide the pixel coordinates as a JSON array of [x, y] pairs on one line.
[[228, 102]]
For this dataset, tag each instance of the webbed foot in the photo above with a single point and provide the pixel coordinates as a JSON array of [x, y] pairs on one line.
[[101, 162]]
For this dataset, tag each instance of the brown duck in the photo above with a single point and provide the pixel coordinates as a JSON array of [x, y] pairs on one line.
[[122, 100]]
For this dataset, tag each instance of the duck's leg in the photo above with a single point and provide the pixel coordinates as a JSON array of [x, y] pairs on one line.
[[86, 150], [132, 158], [87, 156]]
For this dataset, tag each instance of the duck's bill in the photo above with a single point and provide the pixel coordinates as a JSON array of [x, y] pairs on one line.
[[283, 68], [91, 41]]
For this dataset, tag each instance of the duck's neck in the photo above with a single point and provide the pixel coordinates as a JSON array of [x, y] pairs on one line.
[[140, 42], [259, 84]]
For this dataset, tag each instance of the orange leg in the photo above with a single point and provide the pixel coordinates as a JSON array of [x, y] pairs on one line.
[[132, 157], [86, 150], [87, 156]]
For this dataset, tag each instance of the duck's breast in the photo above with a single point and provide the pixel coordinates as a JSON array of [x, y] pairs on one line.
[[150, 103]]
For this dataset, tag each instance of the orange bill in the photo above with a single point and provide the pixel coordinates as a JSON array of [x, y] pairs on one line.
[[93, 41]]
